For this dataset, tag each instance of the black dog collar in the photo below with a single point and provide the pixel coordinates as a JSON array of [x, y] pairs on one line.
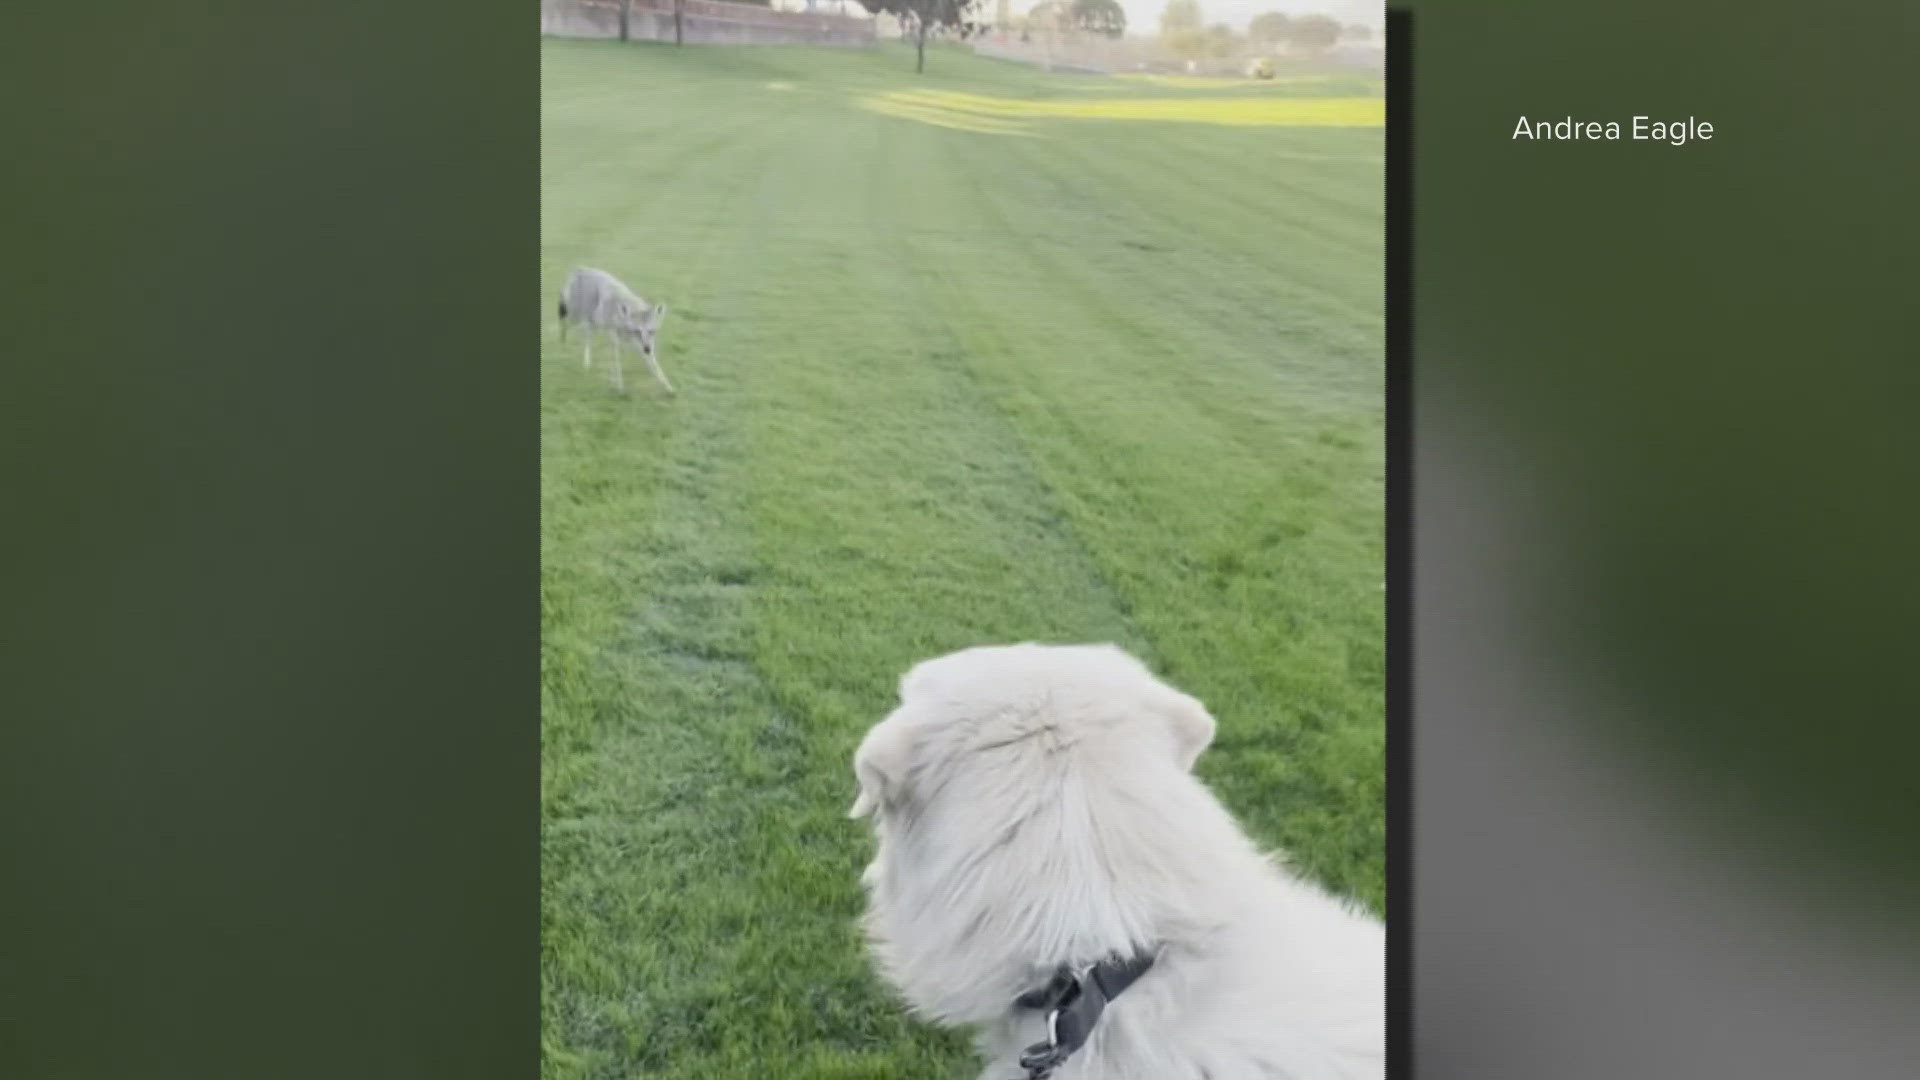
[[1074, 1003]]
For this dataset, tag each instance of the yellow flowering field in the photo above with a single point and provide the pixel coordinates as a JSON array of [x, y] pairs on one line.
[[1006, 115]]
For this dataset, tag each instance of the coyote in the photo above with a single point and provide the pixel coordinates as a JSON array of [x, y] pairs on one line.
[[596, 300]]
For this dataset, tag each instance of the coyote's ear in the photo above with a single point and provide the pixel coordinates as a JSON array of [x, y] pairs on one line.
[[880, 765], [655, 314], [1192, 726]]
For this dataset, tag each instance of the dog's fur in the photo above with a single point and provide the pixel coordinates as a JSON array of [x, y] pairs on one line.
[[1034, 806], [598, 301]]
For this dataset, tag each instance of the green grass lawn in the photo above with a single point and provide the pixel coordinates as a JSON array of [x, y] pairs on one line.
[[1101, 381]]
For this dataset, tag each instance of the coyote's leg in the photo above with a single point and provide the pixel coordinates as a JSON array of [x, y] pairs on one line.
[[653, 365], [588, 338], [619, 376]]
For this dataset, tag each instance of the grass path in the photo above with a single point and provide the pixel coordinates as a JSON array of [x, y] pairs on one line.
[[1106, 381]]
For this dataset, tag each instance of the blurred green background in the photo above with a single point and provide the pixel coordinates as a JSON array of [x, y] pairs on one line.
[[1702, 359], [269, 642], [1665, 603]]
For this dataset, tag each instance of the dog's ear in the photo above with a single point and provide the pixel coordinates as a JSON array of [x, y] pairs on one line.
[[881, 766], [1192, 725], [917, 682]]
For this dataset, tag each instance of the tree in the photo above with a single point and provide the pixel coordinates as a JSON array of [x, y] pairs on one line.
[[1220, 41], [1314, 33], [1099, 17], [677, 5], [1187, 44], [1180, 16], [1048, 14], [1180, 29], [917, 17], [1269, 28]]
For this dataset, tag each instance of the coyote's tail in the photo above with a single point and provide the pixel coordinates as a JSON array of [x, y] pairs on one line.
[[563, 317]]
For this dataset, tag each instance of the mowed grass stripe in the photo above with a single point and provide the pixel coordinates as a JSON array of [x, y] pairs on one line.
[[647, 173], [895, 519], [663, 781], [702, 581], [925, 403], [616, 507], [1272, 245], [1155, 440]]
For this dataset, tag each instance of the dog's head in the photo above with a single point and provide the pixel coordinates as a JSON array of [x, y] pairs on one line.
[[981, 710], [1023, 798]]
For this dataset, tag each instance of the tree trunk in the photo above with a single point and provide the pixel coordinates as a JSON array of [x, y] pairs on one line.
[[677, 5], [920, 65], [625, 5]]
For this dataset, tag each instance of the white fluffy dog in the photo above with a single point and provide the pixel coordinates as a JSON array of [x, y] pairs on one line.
[[1036, 815]]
